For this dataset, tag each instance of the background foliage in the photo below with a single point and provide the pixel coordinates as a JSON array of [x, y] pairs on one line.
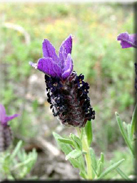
[[96, 53]]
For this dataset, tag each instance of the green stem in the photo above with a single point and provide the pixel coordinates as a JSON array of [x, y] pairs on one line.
[[86, 148]]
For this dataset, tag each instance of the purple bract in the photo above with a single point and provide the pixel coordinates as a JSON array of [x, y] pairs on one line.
[[127, 40], [56, 66], [4, 118]]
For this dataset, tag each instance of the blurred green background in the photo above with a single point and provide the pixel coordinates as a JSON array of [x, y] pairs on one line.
[[96, 53]]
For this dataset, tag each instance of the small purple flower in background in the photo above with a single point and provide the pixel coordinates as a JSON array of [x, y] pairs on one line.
[[127, 40], [4, 119], [67, 92], [5, 131]]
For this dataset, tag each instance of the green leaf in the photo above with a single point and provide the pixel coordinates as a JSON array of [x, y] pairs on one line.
[[93, 158], [123, 132], [81, 161], [74, 163], [74, 154], [122, 174], [83, 174], [26, 166], [130, 135], [66, 149], [56, 136], [76, 141], [102, 157], [67, 141], [23, 172], [10, 177], [18, 146], [94, 162], [23, 163], [6, 164], [134, 120], [100, 164], [20, 157], [111, 168], [100, 168], [88, 131]]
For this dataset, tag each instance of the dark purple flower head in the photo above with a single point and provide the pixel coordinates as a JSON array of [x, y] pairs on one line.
[[56, 66], [4, 118], [69, 100], [127, 40]]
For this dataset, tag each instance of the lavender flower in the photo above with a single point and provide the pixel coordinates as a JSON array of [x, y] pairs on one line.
[[5, 131], [67, 93], [127, 40]]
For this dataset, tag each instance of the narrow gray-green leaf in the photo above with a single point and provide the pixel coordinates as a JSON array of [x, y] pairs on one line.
[[130, 136], [74, 154], [83, 174], [66, 149], [18, 146], [88, 131], [67, 141], [100, 168], [81, 161], [76, 141], [93, 162], [27, 161], [100, 164], [102, 157], [111, 168], [123, 132], [122, 174], [93, 158], [134, 120]]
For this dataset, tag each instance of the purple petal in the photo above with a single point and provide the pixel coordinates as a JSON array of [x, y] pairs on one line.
[[9, 118], [68, 67], [3, 117], [48, 66], [65, 48], [2, 114], [49, 50], [127, 40]]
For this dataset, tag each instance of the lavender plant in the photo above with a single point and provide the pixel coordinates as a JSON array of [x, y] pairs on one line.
[[67, 94], [14, 163]]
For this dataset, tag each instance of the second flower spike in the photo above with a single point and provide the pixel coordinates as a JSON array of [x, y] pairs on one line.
[[5, 131]]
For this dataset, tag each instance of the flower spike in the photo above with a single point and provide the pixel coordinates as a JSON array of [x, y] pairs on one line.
[[67, 93]]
